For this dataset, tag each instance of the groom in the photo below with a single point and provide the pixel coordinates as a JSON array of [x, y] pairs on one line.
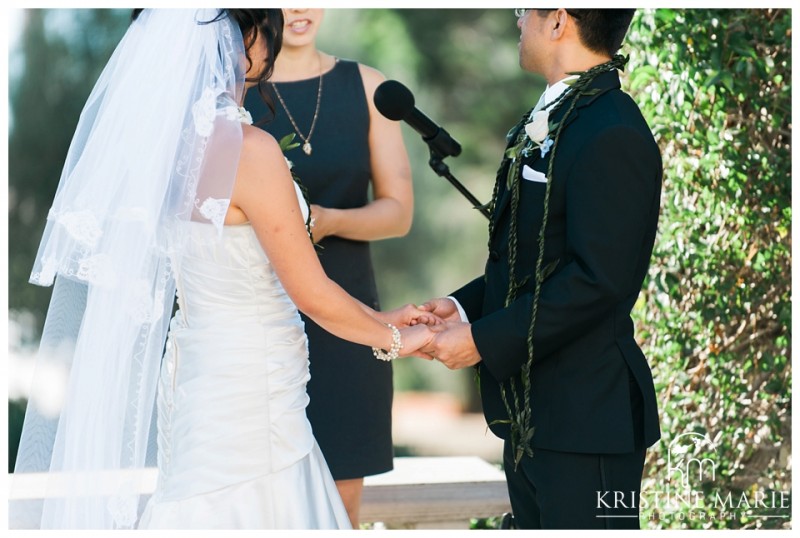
[[562, 378]]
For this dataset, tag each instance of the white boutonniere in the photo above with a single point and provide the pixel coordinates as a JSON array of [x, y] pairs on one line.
[[537, 135], [538, 127], [538, 131]]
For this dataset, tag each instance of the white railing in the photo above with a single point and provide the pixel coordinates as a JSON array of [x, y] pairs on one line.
[[435, 493], [432, 493]]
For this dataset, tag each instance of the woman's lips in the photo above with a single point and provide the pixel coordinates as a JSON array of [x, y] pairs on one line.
[[299, 26]]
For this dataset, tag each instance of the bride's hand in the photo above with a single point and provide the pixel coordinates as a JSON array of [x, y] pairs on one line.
[[409, 315], [414, 339]]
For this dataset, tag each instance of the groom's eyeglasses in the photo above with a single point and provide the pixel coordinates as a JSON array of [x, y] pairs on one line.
[[521, 12]]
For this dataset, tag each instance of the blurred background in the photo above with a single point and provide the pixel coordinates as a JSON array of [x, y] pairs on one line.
[[715, 313]]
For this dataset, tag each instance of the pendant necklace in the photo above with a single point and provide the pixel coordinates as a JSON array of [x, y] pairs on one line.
[[306, 139]]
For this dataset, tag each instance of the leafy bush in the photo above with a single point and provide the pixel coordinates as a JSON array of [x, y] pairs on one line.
[[715, 316]]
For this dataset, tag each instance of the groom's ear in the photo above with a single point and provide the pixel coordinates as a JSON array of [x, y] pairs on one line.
[[559, 24]]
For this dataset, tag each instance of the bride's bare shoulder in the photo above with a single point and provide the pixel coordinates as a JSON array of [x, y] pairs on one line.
[[259, 150], [263, 175], [255, 139]]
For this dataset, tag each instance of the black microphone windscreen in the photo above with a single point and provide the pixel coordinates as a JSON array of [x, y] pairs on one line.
[[393, 100]]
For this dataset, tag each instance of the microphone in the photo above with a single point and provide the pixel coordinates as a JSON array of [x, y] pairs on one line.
[[396, 102]]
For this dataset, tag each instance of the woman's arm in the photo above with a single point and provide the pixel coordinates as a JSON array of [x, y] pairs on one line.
[[389, 213], [264, 193]]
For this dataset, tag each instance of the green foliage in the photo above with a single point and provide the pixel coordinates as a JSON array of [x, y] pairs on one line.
[[715, 314], [287, 142], [487, 523]]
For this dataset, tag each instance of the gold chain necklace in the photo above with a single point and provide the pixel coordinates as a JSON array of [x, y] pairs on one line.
[[306, 139]]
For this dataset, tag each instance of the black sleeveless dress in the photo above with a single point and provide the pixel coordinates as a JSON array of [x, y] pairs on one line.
[[350, 391]]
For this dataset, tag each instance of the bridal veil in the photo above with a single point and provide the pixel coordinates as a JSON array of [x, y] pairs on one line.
[[157, 143]]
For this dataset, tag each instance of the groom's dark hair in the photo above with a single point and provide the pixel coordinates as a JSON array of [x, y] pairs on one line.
[[601, 30]]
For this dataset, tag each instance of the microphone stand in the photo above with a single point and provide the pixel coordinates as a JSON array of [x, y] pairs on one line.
[[437, 163]]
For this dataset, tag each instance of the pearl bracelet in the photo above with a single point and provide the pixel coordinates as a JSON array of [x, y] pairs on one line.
[[394, 352]]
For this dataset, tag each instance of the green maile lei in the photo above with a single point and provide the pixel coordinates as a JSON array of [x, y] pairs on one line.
[[520, 414], [287, 143]]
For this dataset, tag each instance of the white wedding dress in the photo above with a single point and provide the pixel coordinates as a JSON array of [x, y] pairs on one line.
[[235, 449]]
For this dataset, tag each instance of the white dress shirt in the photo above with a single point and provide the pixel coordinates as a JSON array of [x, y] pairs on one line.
[[551, 93]]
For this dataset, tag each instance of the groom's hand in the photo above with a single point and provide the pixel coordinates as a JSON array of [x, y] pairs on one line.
[[444, 308], [453, 345]]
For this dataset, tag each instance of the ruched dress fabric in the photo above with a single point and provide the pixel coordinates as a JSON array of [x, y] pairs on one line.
[[351, 392], [235, 449]]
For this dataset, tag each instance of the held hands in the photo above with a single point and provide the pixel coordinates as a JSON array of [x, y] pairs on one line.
[[444, 308], [414, 324], [409, 315], [453, 344], [414, 338], [434, 331]]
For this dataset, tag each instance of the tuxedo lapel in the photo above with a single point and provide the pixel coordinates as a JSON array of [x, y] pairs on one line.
[[502, 203], [504, 195]]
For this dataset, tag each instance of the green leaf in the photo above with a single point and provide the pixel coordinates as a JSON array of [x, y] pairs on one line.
[[549, 268], [726, 78], [286, 144], [500, 421]]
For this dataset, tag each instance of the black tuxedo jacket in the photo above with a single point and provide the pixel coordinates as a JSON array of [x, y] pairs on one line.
[[592, 390]]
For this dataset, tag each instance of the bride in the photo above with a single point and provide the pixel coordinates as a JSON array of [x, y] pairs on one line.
[[163, 193]]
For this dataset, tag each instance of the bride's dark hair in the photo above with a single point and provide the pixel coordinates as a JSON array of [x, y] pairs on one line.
[[252, 23]]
